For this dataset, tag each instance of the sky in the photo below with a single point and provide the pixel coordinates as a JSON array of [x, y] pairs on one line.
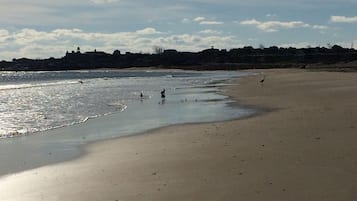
[[40, 29]]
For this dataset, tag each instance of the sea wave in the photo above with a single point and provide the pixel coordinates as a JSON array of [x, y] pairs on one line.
[[28, 131], [34, 85], [32, 102]]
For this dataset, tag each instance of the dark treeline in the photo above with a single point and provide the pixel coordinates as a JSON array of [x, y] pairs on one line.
[[209, 59]]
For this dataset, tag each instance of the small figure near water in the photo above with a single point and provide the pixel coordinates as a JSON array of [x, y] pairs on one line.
[[141, 96], [262, 81], [163, 95]]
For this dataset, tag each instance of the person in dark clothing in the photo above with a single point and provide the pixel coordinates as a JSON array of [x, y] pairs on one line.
[[163, 95]]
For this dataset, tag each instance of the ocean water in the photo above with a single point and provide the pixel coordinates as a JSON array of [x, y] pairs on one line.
[[38, 101], [46, 116]]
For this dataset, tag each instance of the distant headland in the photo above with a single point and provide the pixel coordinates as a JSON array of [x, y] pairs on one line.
[[208, 59]]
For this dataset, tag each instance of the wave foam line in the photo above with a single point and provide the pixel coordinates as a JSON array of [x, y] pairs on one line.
[[24, 86], [18, 133]]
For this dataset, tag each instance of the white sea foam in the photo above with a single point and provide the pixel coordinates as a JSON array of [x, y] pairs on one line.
[[33, 85]]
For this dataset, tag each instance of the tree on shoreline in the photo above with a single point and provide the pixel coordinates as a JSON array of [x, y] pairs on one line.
[[210, 59], [158, 49]]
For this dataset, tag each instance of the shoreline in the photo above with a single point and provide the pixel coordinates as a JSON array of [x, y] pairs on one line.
[[302, 150], [83, 136]]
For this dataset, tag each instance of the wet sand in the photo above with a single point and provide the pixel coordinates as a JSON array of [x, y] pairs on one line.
[[302, 149]]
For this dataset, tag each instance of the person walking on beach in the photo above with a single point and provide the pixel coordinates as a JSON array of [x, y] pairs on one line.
[[163, 93]]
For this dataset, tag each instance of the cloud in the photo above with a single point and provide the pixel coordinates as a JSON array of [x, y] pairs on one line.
[[4, 32], [211, 22], [250, 22], [321, 27], [210, 32], [199, 19], [204, 21], [29, 36], [32, 43], [147, 31], [343, 19], [274, 26], [193, 42]]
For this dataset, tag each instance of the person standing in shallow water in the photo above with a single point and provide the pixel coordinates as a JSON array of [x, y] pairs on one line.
[[141, 96], [163, 95]]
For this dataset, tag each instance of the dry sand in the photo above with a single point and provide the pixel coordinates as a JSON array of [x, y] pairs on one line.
[[303, 149]]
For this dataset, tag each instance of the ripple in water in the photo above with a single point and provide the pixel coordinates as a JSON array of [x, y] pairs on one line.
[[37, 101]]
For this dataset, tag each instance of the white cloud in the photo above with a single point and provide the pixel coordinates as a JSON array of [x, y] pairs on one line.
[[210, 32], [204, 21], [250, 22], [28, 36], [321, 27], [4, 36], [67, 31], [192, 42], [273, 26], [147, 31], [211, 22], [32, 43], [343, 19], [199, 19]]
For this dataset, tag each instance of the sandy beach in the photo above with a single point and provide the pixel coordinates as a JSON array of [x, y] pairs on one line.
[[302, 148]]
